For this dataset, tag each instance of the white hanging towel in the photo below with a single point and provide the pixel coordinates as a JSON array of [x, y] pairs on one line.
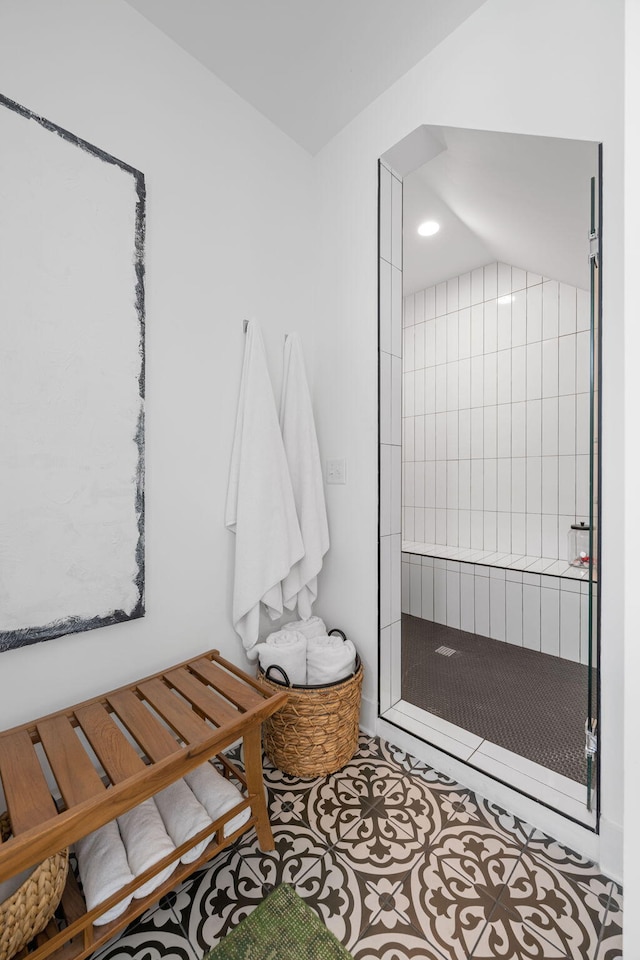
[[301, 447], [261, 510]]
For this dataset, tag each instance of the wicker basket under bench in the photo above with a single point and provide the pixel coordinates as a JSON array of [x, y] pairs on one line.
[[206, 704]]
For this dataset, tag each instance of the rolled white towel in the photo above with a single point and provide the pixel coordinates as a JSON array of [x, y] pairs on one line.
[[313, 627], [104, 869], [329, 659], [146, 841], [217, 795], [183, 817], [286, 649]]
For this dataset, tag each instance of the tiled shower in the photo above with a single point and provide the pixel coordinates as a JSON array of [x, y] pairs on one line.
[[488, 449], [495, 457]]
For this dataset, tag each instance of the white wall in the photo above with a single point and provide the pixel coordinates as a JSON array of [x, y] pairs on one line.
[[228, 211], [489, 75]]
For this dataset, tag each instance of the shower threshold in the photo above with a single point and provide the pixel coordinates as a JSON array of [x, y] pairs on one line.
[[529, 778]]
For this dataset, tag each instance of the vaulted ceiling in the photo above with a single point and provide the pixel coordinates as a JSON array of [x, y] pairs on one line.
[[308, 66], [311, 67]]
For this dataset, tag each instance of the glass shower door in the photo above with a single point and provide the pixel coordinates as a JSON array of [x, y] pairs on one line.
[[458, 579]]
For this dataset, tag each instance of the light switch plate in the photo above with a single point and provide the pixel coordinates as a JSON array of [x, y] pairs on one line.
[[336, 471]]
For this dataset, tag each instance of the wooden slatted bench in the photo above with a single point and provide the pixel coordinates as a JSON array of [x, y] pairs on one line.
[[178, 719]]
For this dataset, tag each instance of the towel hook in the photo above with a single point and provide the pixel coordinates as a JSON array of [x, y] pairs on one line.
[[245, 325]]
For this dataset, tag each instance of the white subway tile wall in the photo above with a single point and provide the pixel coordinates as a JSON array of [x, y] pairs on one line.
[[496, 388], [484, 429], [544, 613], [400, 508]]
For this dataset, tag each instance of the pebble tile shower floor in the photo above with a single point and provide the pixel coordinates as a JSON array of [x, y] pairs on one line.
[[528, 702], [401, 863]]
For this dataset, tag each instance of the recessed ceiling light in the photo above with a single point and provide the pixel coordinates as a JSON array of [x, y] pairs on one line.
[[428, 228], [506, 299]]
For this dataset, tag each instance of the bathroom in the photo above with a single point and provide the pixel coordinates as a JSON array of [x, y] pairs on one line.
[[307, 228]]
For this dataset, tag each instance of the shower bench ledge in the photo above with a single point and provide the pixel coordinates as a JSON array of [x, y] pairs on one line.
[[492, 558]]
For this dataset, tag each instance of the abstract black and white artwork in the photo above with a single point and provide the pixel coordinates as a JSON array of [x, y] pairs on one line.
[[72, 224]]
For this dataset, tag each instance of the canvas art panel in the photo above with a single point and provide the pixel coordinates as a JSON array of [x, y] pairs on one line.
[[71, 383]]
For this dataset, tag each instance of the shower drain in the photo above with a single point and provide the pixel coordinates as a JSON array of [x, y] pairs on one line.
[[446, 651]]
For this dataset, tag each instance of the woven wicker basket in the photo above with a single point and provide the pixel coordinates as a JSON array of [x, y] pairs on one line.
[[316, 732], [27, 911]]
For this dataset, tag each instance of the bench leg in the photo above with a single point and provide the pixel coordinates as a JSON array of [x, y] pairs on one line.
[[255, 783]]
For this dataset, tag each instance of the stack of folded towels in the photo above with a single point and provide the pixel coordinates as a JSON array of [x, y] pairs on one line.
[[113, 855], [306, 653]]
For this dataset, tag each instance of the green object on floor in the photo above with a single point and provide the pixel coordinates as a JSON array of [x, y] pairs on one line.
[[282, 927]]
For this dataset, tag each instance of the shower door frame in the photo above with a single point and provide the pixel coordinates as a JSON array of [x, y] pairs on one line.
[[390, 332]]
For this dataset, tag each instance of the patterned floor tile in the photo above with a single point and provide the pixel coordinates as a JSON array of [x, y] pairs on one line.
[[156, 936], [340, 896], [379, 850], [297, 848], [368, 777], [602, 899], [381, 943], [401, 863], [461, 806], [217, 899], [477, 809], [613, 952], [453, 895], [390, 835], [287, 806], [544, 908], [441, 907], [236, 756], [503, 938], [375, 748], [421, 769], [354, 795], [419, 806], [567, 861], [375, 766], [364, 828], [157, 917], [611, 937], [610, 948], [221, 897], [276, 780], [485, 857]]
